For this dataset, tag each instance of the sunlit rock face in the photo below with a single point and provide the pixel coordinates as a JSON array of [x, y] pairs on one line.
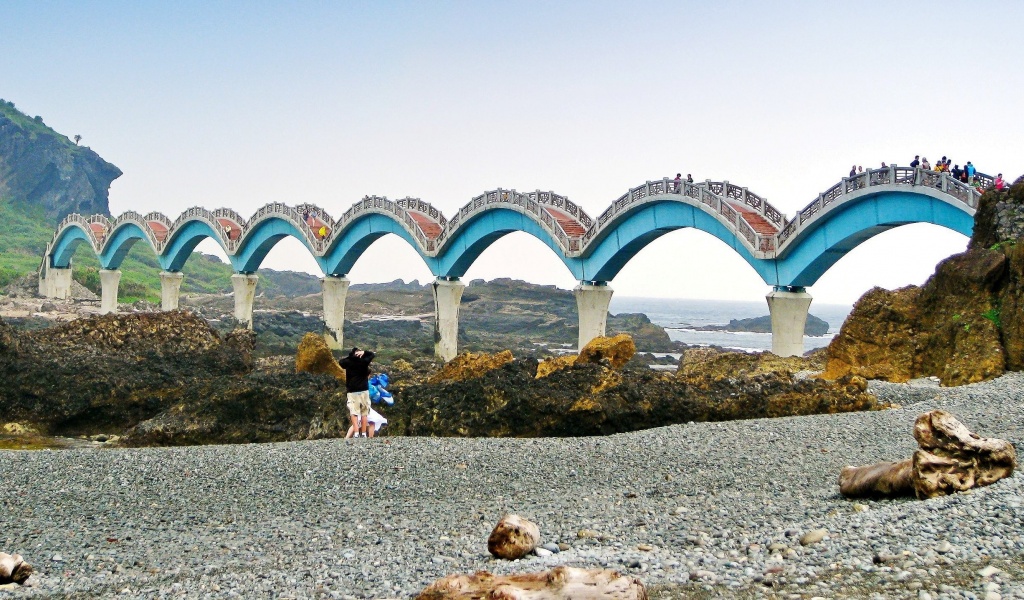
[[964, 325]]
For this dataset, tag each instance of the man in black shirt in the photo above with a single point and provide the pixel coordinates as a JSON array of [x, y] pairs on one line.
[[916, 162], [357, 384]]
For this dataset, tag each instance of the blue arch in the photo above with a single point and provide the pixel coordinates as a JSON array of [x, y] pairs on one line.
[[119, 244], [628, 236], [183, 242], [67, 242], [357, 237], [259, 241], [833, 235], [475, 235]]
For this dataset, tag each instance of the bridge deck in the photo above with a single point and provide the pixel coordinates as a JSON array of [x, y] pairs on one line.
[[567, 222], [756, 221], [428, 226]]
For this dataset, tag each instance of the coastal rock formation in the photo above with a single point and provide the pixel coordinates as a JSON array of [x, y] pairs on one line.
[[313, 356], [950, 459], [42, 167], [616, 350], [469, 365], [964, 325], [14, 569], [588, 399], [560, 583], [813, 326], [513, 537]]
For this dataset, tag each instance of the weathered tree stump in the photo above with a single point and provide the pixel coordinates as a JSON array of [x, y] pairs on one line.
[[513, 537], [560, 583], [951, 459], [13, 569]]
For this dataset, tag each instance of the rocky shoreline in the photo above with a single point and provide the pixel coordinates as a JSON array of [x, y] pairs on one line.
[[695, 510]]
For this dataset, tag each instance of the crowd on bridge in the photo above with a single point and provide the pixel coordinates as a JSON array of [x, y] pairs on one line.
[[968, 174]]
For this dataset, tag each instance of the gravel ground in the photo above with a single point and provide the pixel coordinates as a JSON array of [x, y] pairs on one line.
[[697, 510]]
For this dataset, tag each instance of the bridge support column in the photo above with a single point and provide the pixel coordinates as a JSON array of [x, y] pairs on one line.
[[109, 281], [788, 307], [55, 283], [335, 291], [170, 285], [447, 295], [592, 300], [245, 292]]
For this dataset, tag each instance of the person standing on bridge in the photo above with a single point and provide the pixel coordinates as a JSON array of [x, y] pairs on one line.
[[677, 182], [357, 384], [916, 162], [970, 171], [999, 183]]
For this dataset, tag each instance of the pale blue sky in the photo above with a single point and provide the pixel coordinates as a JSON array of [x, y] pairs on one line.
[[240, 104]]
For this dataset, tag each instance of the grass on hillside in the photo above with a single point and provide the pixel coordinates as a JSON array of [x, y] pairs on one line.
[[34, 126]]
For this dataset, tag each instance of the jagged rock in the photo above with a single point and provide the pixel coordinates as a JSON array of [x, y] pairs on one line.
[[557, 363], [313, 356], [513, 537], [13, 569], [953, 459], [560, 583], [950, 459], [616, 350], [700, 364], [468, 366]]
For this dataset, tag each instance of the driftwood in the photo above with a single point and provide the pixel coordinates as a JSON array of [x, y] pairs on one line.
[[560, 583], [513, 537], [887, 479], [951, 459], [13, 568]]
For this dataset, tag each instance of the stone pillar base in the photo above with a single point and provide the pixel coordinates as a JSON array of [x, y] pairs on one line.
[[335, 291], [447, 295], [109, 282], [170, 285], [789, 316], [245, 294], [592, 302], [55, 283]]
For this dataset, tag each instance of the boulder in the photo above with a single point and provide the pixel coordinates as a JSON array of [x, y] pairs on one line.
[[313, 356], [560, 583], [468, 366], [616, 350], [555, 364], [513, 537], [13, 569], [950, 459]]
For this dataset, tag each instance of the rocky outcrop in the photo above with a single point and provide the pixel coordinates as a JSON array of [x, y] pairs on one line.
[[964, 325], [41, 167], [616, 350], [313, 356], [469, 365], [165, 378], [813, 326], [590, 399]]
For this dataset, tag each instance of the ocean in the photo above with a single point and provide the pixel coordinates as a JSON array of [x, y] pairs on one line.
[[678, 317]]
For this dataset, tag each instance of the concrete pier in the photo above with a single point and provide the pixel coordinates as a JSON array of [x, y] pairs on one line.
[[789, 316], [109, 282], [592, 302], [335, 291], [245, 293], [55, 283], [170, 285], [447, 296]]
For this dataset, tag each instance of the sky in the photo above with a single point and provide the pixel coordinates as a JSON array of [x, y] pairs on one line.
[[239, 104]]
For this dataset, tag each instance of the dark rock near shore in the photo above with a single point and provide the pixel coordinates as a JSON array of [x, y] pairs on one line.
[[814, 325]]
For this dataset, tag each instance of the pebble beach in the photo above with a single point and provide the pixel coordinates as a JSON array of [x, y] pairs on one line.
[[732, 509]]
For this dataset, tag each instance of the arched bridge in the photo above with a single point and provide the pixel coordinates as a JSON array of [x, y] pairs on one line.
[[789, 255]]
